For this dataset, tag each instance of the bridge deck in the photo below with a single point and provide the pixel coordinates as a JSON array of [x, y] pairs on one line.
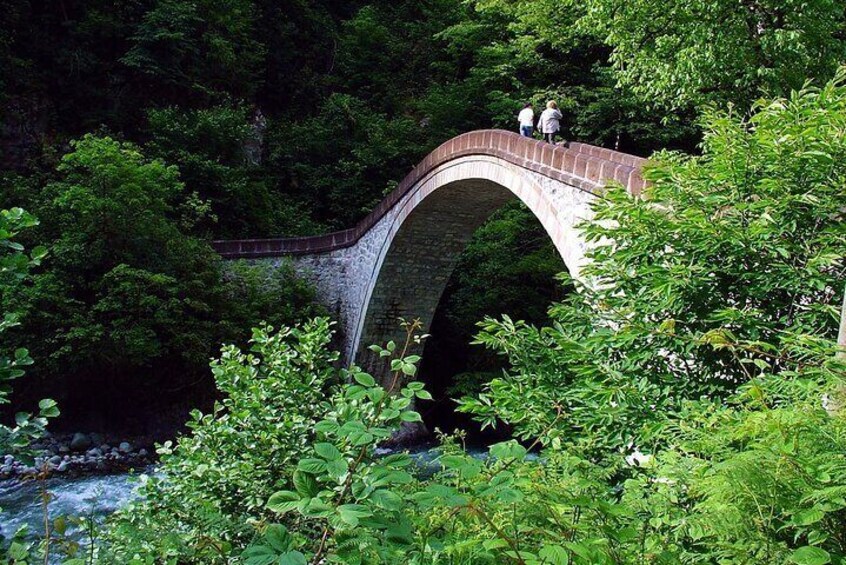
[[581, 165]]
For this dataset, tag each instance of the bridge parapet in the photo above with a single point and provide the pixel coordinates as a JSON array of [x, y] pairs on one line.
[[584, 166]]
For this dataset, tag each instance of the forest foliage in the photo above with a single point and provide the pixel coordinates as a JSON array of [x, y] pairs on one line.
[[293, 118], [684, 406]]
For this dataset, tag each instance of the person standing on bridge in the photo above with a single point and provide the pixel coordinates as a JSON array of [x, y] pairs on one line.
[[550, 122], [527, 120]]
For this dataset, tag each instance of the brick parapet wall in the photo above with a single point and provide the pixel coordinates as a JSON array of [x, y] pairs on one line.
[[580, 165]]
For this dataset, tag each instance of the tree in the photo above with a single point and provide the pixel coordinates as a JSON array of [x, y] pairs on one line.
[[209, 147], [742, 246], [221, 475], [536, 50], [128, 289], [681, 52], [203, 51]]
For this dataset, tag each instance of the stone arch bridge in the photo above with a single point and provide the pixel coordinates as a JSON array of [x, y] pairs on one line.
[[397, 260]]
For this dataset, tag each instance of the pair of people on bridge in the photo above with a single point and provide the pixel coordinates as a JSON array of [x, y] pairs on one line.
[[549, 123]]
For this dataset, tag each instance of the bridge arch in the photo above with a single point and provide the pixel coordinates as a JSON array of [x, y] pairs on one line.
[[397, 261], [433, 224]]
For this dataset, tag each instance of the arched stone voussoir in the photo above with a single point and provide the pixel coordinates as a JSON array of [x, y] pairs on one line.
[[431, 226]]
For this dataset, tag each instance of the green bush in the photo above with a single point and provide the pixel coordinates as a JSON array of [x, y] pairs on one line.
[[15, 264], [129, 300], [743, 245], [209, 493]]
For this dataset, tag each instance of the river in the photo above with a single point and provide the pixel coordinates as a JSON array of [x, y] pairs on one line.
[[98, 496]]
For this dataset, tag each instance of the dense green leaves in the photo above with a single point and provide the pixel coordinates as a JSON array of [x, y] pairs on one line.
[[730, 258], [15, 264], [220, 477], [127, 287], [690, 52], [687, 400]]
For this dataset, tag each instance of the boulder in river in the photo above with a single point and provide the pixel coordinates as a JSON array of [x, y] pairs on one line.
[[125, 447], [80, 442], [409, 433]]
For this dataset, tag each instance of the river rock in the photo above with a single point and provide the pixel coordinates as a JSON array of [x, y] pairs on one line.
[[80, 442], [55, 460], [409, 433], [95, 452], [5, 470], [142, 452], [105, 447], [125, 447], [62, 467], [8, 460], [63, 449], [96, 438]]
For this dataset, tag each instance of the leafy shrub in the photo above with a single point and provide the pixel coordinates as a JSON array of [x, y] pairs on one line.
[[130, 300], [15, 264], [212, 485], [266, 292], [743, 245]]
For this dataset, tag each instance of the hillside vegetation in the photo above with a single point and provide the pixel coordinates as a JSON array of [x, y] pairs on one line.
[[685, 405]]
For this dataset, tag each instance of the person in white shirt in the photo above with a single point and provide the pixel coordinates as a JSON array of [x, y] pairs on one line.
[[527, 120], [550, 122]]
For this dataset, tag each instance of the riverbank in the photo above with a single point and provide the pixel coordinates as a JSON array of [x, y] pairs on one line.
[[79, 454]]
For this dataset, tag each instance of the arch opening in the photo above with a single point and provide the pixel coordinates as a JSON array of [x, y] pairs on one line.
[[509, 267], [434, 225]]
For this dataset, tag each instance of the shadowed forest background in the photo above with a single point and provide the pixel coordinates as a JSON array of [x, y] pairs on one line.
[[283, 119]]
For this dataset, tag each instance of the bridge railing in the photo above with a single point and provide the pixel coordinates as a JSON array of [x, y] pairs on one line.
[[584, 166]]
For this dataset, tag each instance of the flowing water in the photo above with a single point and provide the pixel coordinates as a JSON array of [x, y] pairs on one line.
[[92, 497], [96, 497]]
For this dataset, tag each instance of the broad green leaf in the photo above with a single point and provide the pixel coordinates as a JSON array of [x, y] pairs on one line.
[[410, 416], [351, 513], [312, 465], [386, 499], [327, 451], [554, 555], [508, 450], [278, 538], [283, 501], [364, 379], [808, 517], [810, 555], [305, 484]]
